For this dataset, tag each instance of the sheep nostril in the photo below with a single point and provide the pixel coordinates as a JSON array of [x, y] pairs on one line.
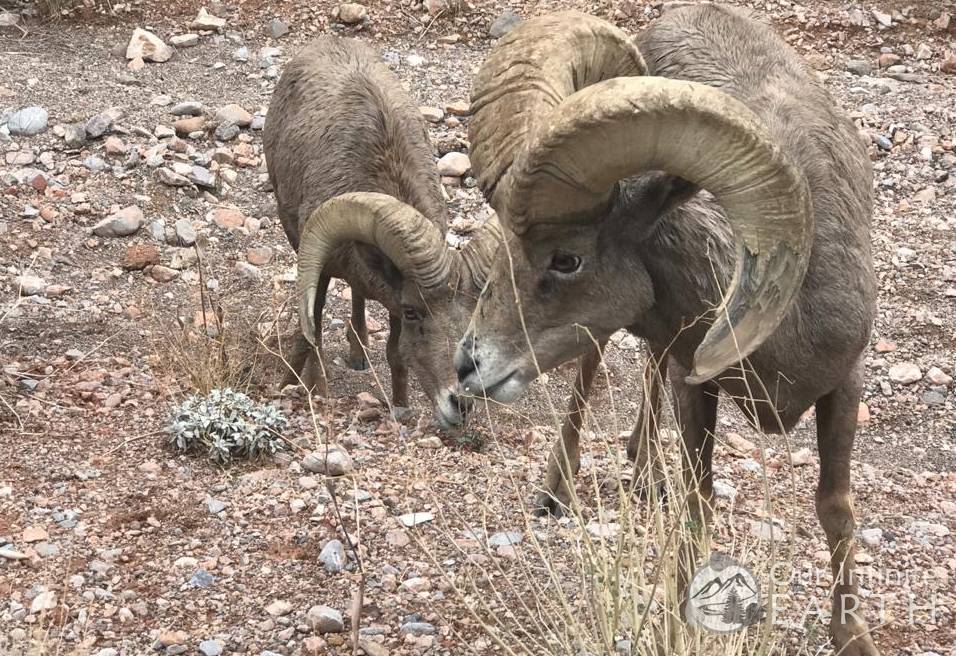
[[466, 368]]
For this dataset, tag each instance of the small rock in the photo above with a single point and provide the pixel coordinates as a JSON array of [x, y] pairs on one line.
[[74, 136], [905, 373], [226, 218], [277, 28], [161, 273], [214, 506], [115, 147], [937, 376], [800, 457], [724, 489], [124, 223], [187, 108], [888, 59], [507, 21], [740, 444], [334, 461], [885, 20], [352, 12], [94, 163], [210, 648], [186, 126], [226, 132], [201, 579], [414, 519], [28, 121], [505, 538], [859, 67], [323, 619], [35, 534], [249, 271], [430, 442], [147, 46], [417, 629], [241, 54], [171, 178], [98, 125], [206, 22], [932, 397], [871, 537], [432, 114], [279, 607], [185, 233], [924, 52], [948, 65], [139, 256], [30, 285], [259, 256], [333, 557], [202, 177], [416, 584], [863, 414], [454, 164], [46, 600], [185, 40], [234, 114], [458, 108]]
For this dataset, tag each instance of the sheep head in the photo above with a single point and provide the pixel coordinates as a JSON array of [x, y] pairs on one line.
[[581, 155], [437, 288]]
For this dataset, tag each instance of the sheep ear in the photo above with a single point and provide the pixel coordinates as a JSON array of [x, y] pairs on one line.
[[665, 192]]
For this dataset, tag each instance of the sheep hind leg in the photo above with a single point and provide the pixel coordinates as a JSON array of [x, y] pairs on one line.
[[565, 458], [836, 428], [644, 447], [358, 334]]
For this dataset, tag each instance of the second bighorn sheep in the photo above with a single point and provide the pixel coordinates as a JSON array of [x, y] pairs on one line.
[[595, 160], [359, 198]]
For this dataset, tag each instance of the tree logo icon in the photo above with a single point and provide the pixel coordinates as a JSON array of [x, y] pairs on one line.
[[723, 596]]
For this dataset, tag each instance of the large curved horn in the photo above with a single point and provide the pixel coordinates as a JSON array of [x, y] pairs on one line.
[[413, 243], [622, 127], [530, 71], [480, 252]]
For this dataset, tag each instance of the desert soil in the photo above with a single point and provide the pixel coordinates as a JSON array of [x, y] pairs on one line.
[[113, 543]]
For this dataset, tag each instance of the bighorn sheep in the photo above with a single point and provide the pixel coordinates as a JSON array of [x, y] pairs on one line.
[[595, 161], [359, 198]]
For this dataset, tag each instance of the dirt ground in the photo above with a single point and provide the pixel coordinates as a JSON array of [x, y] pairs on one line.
[[115, 542]]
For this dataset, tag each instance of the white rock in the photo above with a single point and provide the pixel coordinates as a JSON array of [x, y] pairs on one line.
[[937, 376], [334, 461], [905, 373], [30, 285], [454, 164], [352, 12], [207, 22], [46, 600], [871, 537], [323, 619], [279, 608], [414, 519], [148, 47]]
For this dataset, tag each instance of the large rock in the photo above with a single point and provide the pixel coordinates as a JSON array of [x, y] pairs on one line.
[[352, 12], [147, 46], [124, 223], [207, 22], [332, 556], [234, 114], [454, 164], [334, 461], [905, 373], [28, 121], [323, 619]]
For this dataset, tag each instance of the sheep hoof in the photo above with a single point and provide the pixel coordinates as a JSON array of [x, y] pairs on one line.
[[358, 363], [546, 505]]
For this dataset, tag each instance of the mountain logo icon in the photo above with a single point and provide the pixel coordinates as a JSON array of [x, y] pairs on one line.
[[723, 596]]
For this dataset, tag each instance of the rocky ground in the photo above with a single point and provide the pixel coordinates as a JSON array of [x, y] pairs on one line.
[[133, 191]]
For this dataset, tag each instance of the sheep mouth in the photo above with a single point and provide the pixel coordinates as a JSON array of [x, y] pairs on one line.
[[505, 390], [451, 410]]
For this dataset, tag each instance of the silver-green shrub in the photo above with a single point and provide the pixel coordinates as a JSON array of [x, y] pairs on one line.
[[227, 425]]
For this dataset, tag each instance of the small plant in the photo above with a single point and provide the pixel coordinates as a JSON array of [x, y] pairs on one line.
[[228, 425]]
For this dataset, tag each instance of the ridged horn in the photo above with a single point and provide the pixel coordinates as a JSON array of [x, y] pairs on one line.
[[479, 253], [413, 243], [622, 127], [528, 73]]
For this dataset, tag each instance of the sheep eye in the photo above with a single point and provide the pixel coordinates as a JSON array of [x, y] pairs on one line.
[[410, 313], [565, 263]]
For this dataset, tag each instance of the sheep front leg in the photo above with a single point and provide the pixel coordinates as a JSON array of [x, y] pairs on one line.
[[565, 458], [836, 428], [398, 367], [358, 334], [305, 361]]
